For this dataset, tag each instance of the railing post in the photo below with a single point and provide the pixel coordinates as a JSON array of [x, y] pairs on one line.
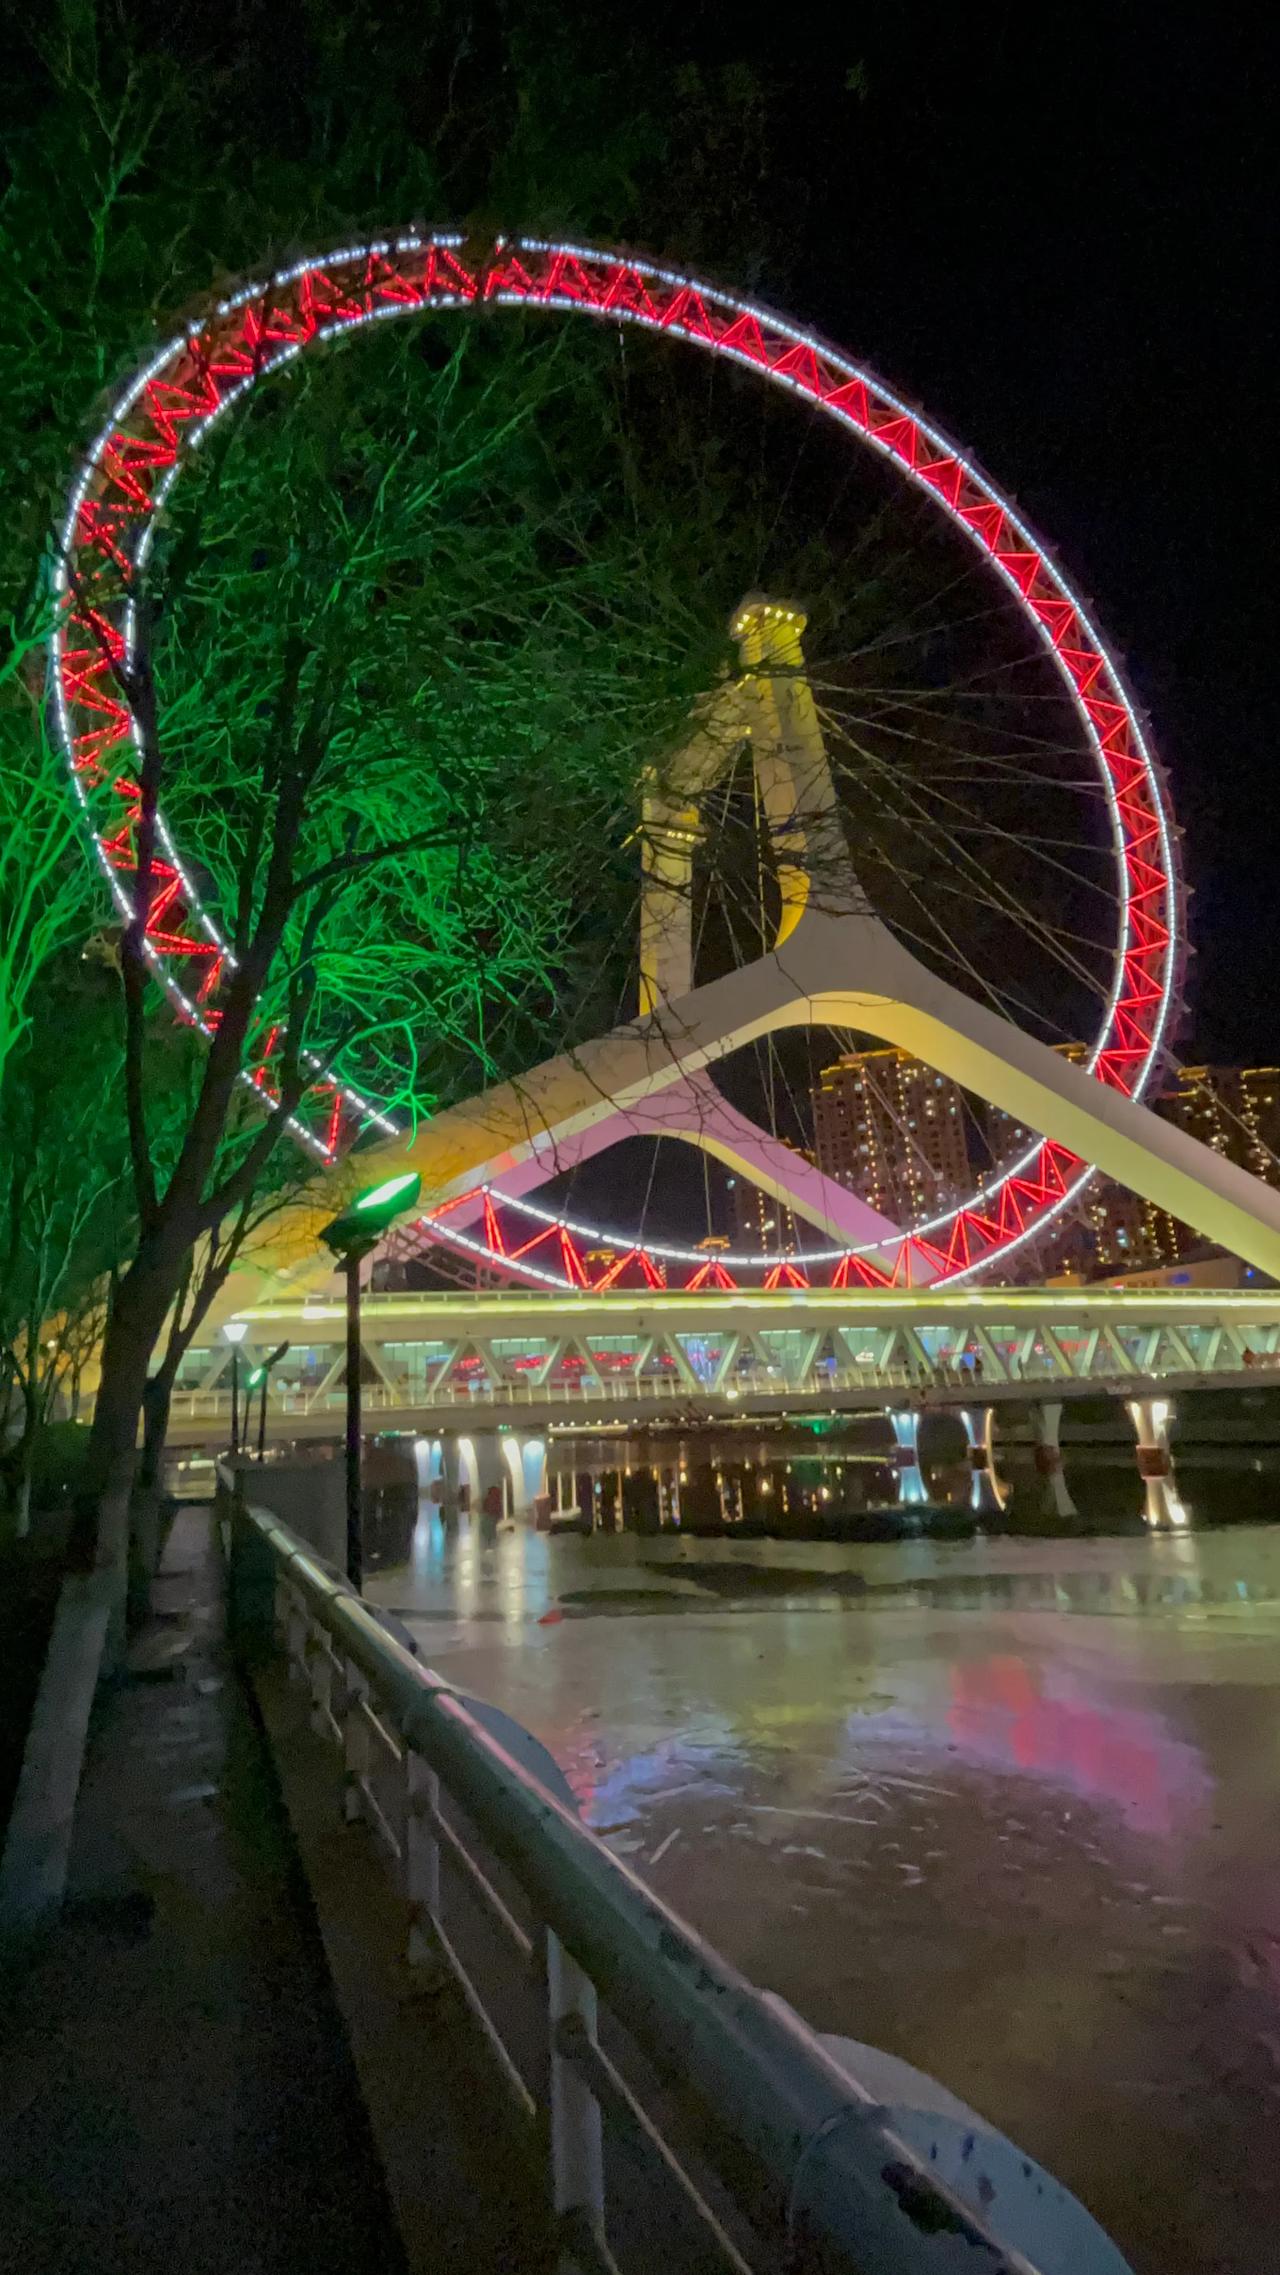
[[321, 1659], [355, 1744], [576, 2133], [296, 1625], [421, 1857]]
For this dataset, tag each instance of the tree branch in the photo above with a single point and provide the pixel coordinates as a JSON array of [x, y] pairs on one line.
[[349, 865]]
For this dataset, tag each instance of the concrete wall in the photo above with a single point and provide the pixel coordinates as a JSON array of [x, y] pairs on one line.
[[308, 1496]]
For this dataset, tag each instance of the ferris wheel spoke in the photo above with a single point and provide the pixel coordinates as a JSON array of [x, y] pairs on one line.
[[992, 613], [1002, 994], [960, 816], [886, 785], [1043, 850], [1013, 769], [1023, 843], [985, 684], [979, 880], [956, 750]]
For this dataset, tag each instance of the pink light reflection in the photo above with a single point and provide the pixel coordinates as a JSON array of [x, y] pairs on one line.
[[1103, 1751]]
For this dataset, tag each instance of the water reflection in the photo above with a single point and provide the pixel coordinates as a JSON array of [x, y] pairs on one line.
[[615, 1793], [479, 1567], [1042, 1721], [951, 1481], [1004, 1804]]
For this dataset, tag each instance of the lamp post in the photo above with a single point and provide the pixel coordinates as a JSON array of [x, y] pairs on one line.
[[352, 1236], [260, 1378], [235, 1331]]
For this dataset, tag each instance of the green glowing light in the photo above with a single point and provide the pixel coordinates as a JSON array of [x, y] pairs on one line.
[[395, 1189], [370, 1214]]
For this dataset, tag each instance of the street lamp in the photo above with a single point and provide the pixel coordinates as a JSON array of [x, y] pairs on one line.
[[259, 1379], [352, 1236], [235, 1331]]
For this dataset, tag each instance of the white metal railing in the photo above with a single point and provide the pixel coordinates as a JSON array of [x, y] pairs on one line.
[[950, 1381], [685, 2118]]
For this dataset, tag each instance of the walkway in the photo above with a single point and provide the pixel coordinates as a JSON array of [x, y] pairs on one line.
[[176, 2089]]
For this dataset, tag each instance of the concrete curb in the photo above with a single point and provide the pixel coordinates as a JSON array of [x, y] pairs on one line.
[[37, 1851]]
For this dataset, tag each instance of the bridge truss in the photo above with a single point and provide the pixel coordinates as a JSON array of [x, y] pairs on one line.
[[619, 1358]]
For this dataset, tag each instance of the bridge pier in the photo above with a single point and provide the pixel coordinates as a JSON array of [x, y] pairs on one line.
[[526, 1461], [436, 1461], [487, 1472], [1151, 1418], [987, 1494], [485, 1461], [1046, 1423], [450, 1475], [905, 1421]]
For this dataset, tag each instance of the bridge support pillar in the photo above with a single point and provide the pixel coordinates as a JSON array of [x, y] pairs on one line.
[[987, 1494], [1151, 1419], [526, 1461], [906, 1430], [428, 1460], [1046, 1424], [489, 1473], [450, 1474]]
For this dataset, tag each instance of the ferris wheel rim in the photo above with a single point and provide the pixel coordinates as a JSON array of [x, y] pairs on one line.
[[619, 287]]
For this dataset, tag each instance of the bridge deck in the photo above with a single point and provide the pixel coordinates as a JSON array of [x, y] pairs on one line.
[[530, 1361]]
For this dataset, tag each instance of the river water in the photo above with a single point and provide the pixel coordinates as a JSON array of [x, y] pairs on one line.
[[1008, 1807]]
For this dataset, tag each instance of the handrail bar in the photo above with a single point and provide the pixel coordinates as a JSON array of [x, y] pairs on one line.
[[773, 2089]]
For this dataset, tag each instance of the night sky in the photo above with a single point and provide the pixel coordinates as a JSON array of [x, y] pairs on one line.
[[1056, 241], [1049, 228]]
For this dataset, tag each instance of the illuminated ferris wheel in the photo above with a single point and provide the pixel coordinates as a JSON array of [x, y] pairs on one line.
[[938, 798]]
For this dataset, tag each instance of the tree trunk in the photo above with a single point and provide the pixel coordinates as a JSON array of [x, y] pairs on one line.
[[142, 1301], [156, 1400], [25, 1461], [22, 1500], [144, 1517]]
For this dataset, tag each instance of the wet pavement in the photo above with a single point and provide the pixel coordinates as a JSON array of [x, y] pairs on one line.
[[1006, 1808], [177, 2095]]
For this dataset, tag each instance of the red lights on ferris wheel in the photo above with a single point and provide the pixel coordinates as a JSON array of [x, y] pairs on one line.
[[163, 413]]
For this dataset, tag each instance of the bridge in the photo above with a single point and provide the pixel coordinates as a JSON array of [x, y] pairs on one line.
[[477, 1365]]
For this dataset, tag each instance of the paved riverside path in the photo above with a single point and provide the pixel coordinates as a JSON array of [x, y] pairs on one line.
[[177, 2090]]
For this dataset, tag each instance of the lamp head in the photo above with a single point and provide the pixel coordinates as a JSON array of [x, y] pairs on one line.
[[365, 1219]]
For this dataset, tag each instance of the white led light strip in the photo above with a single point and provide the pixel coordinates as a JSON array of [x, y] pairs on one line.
[[837, 372]]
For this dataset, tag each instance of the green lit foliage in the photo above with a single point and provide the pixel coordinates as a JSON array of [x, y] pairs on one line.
[[424, 613], [45, 887], [64, 1209], [392, 557]]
